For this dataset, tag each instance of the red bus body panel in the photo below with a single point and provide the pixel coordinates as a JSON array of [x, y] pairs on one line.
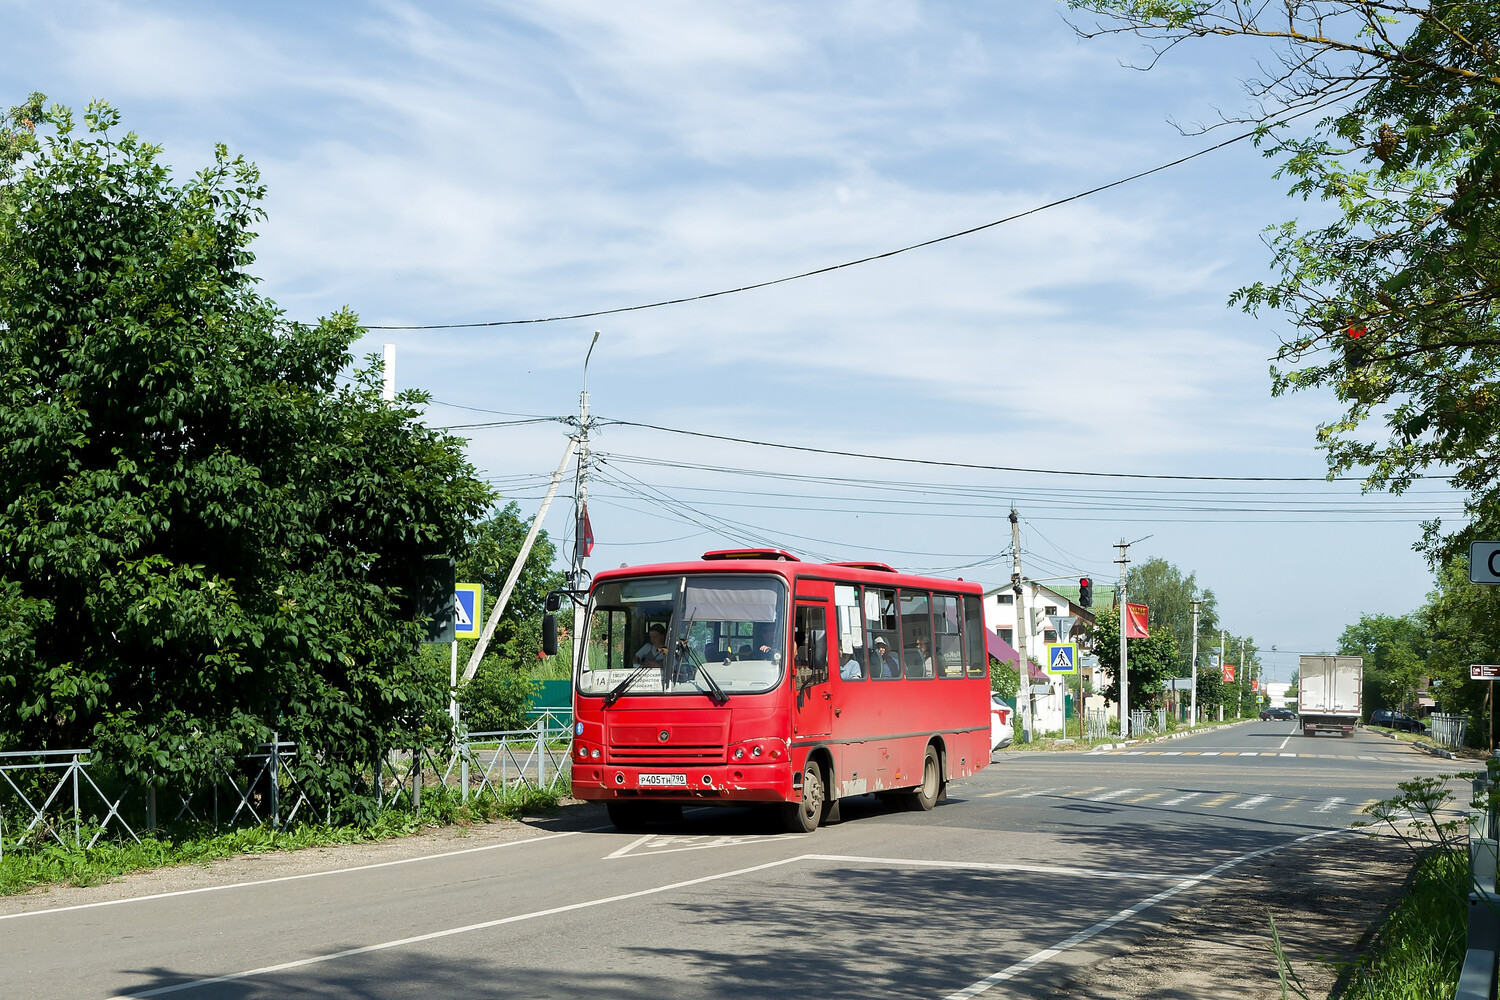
[[876, 731]]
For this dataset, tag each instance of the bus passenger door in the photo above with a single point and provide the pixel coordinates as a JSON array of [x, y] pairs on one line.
[[812, 712]]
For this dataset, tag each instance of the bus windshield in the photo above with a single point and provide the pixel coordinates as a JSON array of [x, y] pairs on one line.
[[684, 635]]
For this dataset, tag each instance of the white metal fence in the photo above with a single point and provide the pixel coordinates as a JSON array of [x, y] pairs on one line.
[[1449, 730], [49, 796]]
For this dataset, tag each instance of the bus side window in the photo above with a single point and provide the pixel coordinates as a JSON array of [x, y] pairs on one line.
[[850, 647], [916, 635], [811, 645], [949, 638], [882, 640], [974, 644]]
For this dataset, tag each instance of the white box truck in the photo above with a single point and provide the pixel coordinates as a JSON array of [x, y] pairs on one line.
[[1328, 693]]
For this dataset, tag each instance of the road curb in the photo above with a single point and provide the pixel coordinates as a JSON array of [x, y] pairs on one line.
[[1167, 736], [1427, 748]]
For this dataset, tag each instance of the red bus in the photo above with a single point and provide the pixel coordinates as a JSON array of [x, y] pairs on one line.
[[753, 677]]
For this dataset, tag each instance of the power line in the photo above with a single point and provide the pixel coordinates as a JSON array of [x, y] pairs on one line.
[[986, 468], [833, 267]]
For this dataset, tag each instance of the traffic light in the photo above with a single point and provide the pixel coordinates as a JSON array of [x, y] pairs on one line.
[[1085, 593]]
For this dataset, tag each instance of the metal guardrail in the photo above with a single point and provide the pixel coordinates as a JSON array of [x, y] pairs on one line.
[[1477, 979]]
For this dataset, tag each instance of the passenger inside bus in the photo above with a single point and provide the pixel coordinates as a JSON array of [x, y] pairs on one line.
[[883, 661]]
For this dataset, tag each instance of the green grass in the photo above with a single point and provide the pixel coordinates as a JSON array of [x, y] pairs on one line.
[[1419, 951], [57, 865]]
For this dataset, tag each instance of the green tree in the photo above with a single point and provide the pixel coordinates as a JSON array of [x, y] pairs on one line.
[[1462, 626], [1152, 660], [1005, 679], [1395, 651], [1393, 302], [1169, 597], [205, 538], [489, 551]]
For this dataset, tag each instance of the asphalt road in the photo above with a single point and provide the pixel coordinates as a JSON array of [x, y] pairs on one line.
[[1041, 865]]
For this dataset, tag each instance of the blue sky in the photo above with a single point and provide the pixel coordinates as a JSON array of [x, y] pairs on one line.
[[460, 162]]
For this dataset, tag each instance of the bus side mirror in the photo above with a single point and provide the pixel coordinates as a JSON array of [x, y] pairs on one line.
[[549, 634]]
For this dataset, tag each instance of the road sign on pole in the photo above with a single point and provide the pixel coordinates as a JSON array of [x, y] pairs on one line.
[[1484, 671], [1484, 563], [468, 606], [1062, 657]]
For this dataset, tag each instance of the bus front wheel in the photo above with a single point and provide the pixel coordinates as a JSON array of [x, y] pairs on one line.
[[804, 816]]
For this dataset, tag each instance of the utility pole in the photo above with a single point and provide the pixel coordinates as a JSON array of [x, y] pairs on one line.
[[1242, 676], [1123, 560], [1193, 718], [582, 534], [388, 389], [575, 442], [1023, 625]]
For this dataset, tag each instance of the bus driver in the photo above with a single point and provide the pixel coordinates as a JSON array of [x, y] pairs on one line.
[[654, 652]]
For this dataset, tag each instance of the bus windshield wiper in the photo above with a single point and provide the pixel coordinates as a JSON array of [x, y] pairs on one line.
[[716, 693]]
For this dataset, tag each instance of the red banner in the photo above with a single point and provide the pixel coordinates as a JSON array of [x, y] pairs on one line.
[[1229, 673], [1135, 621], [1255, 685]]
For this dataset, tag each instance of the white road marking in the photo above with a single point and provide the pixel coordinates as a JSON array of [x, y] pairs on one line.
[[1251, 803], [1287, 740], [626, 849], [1171, 753], [1181, 799], [1328, 806], [1113, 795], [450, 931], [1211, 753], [1288, 754], [663, 844], [1039, 791], [993, 866], [1010, 972], [293, 878]]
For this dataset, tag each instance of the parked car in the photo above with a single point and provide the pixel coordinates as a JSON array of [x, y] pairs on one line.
[[1001, 731], [1276, 712], [1392, 719]]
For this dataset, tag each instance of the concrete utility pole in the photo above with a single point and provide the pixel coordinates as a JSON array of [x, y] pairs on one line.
[[1123, 561], [388, 390], [1193, 718], [578, 575], [1023, 626]]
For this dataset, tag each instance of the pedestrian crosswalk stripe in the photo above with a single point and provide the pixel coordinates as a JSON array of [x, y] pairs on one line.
[[1181, 799], [1288, 755], [1171, 753], [1033, 794], [1210, 753], [1251, 803], [1329, 806], [1153, 753], [1191, 753], [1143, 798], [1113, 795], [1220, 800]]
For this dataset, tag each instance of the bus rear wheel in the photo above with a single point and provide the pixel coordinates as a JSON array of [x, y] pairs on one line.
[[925, 795], [804, 816]]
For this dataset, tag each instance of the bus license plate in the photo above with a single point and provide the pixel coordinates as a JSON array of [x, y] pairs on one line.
[[663, 780]]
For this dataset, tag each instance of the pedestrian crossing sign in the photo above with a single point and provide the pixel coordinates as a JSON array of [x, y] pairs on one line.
[[1062, 657], [468, 607]]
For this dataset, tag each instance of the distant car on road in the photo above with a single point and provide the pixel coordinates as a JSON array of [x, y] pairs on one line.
[[1396, 720], [1001, 731], [1276, 712]]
